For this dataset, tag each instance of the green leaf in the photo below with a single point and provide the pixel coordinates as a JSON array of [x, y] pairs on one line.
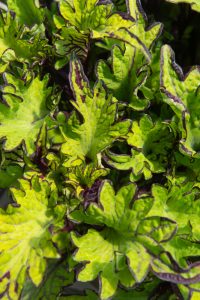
[[116, 242], [19, 43], [119, 27], [195, 5], [171, 203], [159, 229], [127, 69], [97, 243], [121, 78], [192, 291], [121, 240], [56, 277], [25, 242], [23, 111], [151, 143], [112, 206], [85, 174], [151, 87], [137, 162], [71, 40], [148, 35], [93, 16], [99, 128], [29, 14], [9, 175], [182, 94], [75, 35], [178, 204], [96, 20], [143, 233], [183, 276], [192, 165]]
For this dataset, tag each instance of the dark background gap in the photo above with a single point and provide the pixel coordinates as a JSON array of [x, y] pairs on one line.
[[181, 29]]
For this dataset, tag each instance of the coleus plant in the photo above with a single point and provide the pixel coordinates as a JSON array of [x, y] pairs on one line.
[[99, 155]]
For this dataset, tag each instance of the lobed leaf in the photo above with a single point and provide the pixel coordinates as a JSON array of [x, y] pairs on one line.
[[25, 241], [99, 128], [126, 241], [20, 43], [149, 153], [29, 14], [182, 94], [97, 22], [24, 111]]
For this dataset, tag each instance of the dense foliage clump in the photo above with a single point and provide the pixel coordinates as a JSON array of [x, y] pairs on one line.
[[99, 151]]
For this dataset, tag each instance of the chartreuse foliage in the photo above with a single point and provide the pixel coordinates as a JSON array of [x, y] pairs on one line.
[[26, 242], [19, 43], [24, 111], [121, 76], [182, 94], [88, 20], [30, 14], [98, 111], [122, 253], [134, 233], [99, 151], [148, 153]]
